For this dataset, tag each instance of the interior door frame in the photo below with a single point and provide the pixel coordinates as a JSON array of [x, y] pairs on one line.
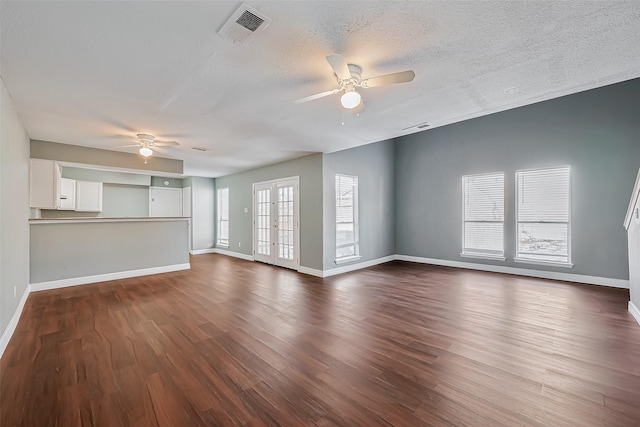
[[187, 208], [296, 207]]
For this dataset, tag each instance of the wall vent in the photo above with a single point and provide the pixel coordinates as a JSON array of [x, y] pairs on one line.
[[199, 148], [244, 24]]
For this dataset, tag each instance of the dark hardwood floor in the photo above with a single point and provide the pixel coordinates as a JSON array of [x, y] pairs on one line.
[[232, 342]]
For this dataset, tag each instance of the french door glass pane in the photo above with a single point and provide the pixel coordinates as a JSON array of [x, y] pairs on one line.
[[264, 222], [285, 222]]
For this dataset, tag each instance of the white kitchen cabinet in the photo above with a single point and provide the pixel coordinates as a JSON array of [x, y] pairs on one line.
[[67, 194], [44, 184], [88, 196]]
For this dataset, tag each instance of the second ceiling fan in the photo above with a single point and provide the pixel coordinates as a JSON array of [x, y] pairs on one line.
[[147, 143], [349, 78]]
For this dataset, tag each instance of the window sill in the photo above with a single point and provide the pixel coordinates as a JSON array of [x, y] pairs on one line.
[[539, 262], [218, 245], [488, 257], [347, 259]]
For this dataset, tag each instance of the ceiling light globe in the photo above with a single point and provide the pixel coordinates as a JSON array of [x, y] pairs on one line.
[[146, 151], [350, 99]]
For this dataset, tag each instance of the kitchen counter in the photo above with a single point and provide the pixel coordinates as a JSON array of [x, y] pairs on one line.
[[104, 219]]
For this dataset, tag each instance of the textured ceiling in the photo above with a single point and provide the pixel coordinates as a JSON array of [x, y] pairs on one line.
[[83, 72]]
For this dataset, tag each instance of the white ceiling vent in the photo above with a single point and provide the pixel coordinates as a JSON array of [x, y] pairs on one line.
[[200, 148], [244, 24], [419, 126]]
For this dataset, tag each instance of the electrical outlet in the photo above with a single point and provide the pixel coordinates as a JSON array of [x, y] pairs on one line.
[[239, 244], [14, 291]]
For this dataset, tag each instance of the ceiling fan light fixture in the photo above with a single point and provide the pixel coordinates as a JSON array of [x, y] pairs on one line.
[[351, 99], [146, 151]]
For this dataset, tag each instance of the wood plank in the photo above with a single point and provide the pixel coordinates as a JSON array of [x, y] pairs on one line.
[[238, 343]]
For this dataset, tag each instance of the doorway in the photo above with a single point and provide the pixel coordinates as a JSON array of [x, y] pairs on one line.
[[276, 223]]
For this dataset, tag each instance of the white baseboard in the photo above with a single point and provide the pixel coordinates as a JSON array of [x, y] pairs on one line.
[[202, 251], [11, 327], [358, 266], [310, 271], [233, 254], [635, 312], [567, 277], [63, 283]]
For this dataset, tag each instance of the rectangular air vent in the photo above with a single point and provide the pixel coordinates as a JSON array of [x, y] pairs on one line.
[[244, 24], [199, 148], [420, 126]]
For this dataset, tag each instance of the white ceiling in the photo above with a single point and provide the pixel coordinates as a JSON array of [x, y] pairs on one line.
[[83, 72]]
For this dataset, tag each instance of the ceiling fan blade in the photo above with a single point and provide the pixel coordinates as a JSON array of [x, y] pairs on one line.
[[389, 79], [165, 143], [128, 146], [317, 96], [339, 66]]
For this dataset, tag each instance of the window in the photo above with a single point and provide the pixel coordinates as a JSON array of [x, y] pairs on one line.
[[346, 217], [543, 206], [223, 217], [483, 215]]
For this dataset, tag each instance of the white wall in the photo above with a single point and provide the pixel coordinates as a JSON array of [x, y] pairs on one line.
[[14, 211], [634, 256], [202, 213]]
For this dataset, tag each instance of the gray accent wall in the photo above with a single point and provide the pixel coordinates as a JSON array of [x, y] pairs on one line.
[[110, 177], [159, 181], [309, 169], [373, 164], [95, 156], [596, 132], [14, 209]]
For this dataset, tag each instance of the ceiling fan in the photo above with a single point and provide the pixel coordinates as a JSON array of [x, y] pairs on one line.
[[349, 79], [148, 143]]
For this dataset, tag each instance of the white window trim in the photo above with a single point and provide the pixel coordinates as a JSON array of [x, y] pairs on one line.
[[478, 256], [517, 259], [356, 223], [218, 220], [347, 259], [497, 257], [541, 262]]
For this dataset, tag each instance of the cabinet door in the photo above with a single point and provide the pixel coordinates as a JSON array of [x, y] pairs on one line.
[[88, 196], [44, 184], [67, 194]]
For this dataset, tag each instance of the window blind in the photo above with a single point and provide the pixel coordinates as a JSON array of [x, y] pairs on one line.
[[483, 224], [543, 214], [223, 217], [346, 216]]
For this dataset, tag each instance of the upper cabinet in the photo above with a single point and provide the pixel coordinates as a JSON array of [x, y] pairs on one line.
[[48, 190], [45, 176], [67, 194], [88, 196]]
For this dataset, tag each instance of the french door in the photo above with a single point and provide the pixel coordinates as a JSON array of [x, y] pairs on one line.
[[276, 226]]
